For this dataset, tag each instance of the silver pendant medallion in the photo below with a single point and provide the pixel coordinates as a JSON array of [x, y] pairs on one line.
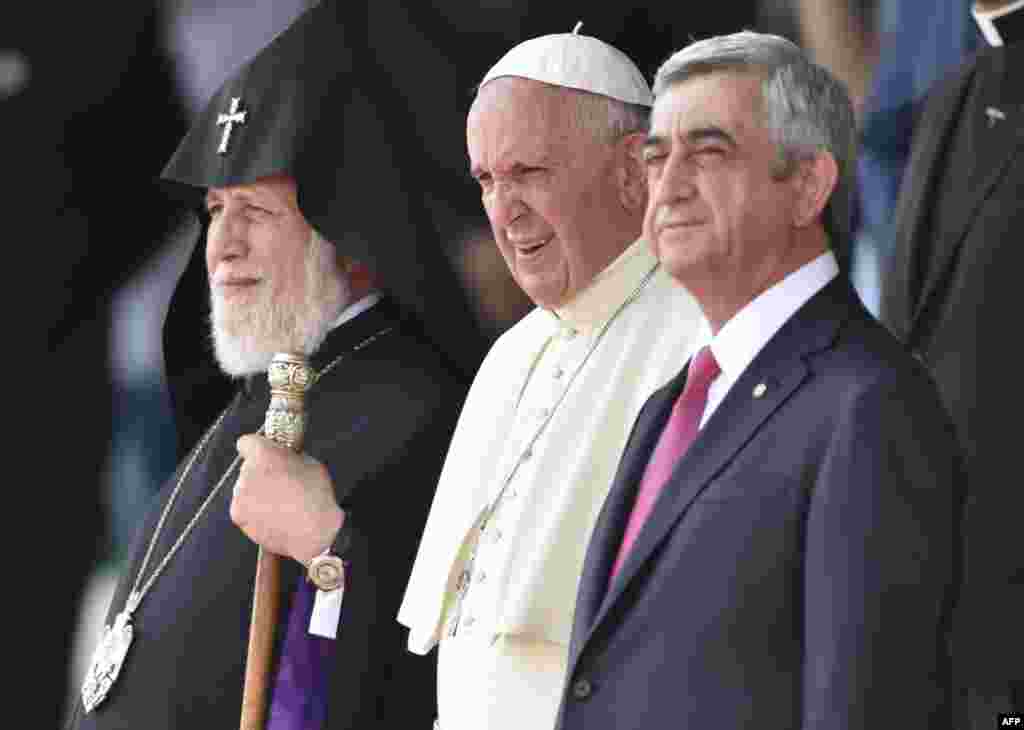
[[109, 656]]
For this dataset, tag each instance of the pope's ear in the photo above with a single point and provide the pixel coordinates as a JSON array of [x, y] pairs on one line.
[[814, 181], [631, 177]]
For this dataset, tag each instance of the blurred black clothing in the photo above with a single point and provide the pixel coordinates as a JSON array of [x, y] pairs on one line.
[[81, 143], [949, 294]]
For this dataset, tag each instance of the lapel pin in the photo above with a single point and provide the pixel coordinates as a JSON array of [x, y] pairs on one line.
[[760, 389], [994, 115], [229, 120]]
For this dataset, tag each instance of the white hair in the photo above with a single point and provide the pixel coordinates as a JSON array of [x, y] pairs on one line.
[[807, 110], [246, 338]]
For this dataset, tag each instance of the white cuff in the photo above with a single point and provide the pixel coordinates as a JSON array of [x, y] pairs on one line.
[[326, 613], [984, 19]]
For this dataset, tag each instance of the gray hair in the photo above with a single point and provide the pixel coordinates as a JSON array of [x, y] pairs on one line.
[[609, 119], [807, 110]]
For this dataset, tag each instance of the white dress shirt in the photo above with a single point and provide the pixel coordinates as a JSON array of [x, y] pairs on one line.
[[742, 337]]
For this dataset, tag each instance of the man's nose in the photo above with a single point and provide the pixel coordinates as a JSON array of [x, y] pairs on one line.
[[675, 183], [505, 204], [226, 238]]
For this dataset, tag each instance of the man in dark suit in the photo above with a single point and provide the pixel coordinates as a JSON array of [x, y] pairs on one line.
[[955, 271], [795, 563]]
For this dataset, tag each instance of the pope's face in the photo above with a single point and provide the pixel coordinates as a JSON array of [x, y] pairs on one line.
[[547, 187], [718, 217], [274, 286]]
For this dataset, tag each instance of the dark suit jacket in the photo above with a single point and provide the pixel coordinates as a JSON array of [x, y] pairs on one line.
[[956, 272], [798, 570]]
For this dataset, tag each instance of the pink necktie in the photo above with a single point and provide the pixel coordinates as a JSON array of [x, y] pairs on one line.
[[675, 439]]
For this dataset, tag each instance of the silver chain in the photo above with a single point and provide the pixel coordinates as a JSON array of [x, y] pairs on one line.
[[462, 585], [137, 594], [568, 386]]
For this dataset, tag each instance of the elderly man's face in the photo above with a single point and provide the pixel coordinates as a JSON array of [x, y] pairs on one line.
[[274, 287], [716, 216], [548, 187]]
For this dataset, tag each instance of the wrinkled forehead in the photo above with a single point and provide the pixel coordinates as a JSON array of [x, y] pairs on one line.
[[280, 189], [512, 97], [512, 112]]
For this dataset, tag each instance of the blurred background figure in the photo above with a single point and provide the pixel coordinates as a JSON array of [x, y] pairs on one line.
[[208, 39], [948, 292], [916, 43], [497, 300], [889, 53]]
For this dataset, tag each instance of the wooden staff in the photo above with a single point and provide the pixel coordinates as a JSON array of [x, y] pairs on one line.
[[290, 375]]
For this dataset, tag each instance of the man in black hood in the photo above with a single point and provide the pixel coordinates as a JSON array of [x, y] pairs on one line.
[[295, 255]]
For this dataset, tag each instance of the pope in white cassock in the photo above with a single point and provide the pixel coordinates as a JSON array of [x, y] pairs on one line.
[[554, 137]]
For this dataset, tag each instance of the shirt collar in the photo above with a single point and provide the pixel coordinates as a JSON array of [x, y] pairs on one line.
[[996, 26], [591, 307], [742, 337]]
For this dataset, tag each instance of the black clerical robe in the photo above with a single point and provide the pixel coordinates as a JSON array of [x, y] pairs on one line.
[[380, 421], [951, 293]]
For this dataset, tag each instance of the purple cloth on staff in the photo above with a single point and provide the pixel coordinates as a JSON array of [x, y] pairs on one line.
[[299, 699]]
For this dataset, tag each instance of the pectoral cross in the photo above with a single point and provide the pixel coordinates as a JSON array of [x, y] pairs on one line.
[[229, 120]]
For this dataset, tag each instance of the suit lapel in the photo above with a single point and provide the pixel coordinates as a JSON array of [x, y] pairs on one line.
[[611, 522], [994, 116], [782, 367]]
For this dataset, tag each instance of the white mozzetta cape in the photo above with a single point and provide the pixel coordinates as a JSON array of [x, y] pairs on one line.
[[533, 576]]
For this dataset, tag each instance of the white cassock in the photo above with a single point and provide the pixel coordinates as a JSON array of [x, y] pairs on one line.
[[552, 405]]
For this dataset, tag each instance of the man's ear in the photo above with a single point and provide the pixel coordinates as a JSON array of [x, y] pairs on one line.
[[815, 179], [629, 169]]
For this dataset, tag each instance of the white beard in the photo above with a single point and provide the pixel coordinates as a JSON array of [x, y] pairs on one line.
[[246, 337]]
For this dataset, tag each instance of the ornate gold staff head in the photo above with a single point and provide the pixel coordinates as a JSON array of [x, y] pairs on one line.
[[290, 376]]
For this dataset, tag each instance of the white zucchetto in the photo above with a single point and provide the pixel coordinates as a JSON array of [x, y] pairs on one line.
[[576, 62]]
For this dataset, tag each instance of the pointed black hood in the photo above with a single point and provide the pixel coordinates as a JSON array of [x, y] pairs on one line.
[[309, 105]]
